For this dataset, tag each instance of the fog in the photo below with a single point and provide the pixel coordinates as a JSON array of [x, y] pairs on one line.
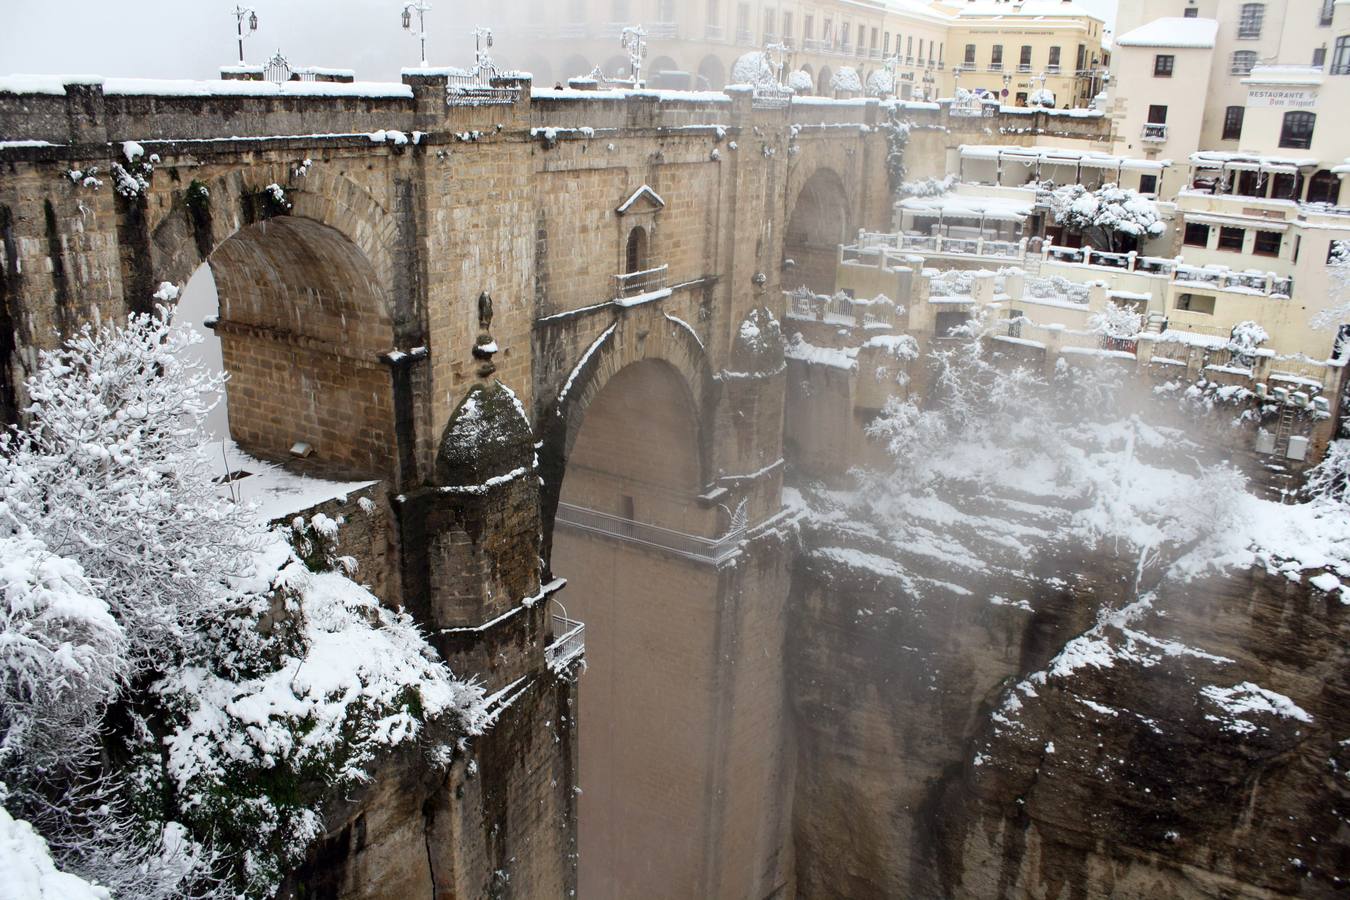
[[164, 39]]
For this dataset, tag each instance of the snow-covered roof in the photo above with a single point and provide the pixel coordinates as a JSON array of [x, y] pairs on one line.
[[1284, 75], [1343, 168], [960, 206], [156, 87], [1216, 159], [1172, 31], [1056, 9], [645, 191], [1060, 156]]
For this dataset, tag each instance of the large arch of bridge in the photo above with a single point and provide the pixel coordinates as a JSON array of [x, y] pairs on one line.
[[819, 218]]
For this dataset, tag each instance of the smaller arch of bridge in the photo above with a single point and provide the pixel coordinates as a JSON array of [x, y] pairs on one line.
[[820, 214], [635, 337]]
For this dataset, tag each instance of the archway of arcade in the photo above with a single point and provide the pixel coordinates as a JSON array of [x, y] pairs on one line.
[[817, 224], [635, 546], [294, 314]]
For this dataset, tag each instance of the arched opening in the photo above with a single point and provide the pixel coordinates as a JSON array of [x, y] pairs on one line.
[[300, 323], [1325, 187], [664, 73], [541, 70], [635, 253], [575, 66], [617, 67], [817, 224], [628, 535], [823, 82], [712, 74]]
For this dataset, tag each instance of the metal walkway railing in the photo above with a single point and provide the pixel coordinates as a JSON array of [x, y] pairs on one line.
[[690, 546], [569, 642]]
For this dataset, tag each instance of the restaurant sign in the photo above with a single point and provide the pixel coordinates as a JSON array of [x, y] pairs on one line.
[[1283, 97]]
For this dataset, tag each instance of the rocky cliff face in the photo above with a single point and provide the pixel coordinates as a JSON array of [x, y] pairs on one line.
[[1042, 728]]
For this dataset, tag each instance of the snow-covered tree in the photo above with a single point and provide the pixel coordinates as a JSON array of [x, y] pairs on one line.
[[846, 80], [1337, 311], [1114, 218], [1116, 322], [112, 473], [880, 83], [753, 68], [1245, 338], [802, 82]]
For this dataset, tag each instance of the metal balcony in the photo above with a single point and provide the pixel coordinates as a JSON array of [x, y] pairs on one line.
[[1155, 132], [631, 284], [689, 546], [743, 36], [569, 643], [995, 67], [713, 32]]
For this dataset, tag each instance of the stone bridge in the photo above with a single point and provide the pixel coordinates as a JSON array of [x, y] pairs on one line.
[[548, 325]]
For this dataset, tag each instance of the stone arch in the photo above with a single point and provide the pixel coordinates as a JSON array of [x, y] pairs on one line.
[[638, 336], [575, 66], [818, 220], [303, 323], [542, 71], [657, 76], [616, 67], [823, 82], [712, 73]]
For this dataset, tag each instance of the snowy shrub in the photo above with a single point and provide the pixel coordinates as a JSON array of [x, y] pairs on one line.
[[1338, 312], [929, 187], [1042, 97], [880, 83], [846, 80], [1116, 217], [274, 200], [759, 344], [1116, 322], [897, 142], [802, 82], [753, 68], [1246, 337], [85, 177], [1329, 480]]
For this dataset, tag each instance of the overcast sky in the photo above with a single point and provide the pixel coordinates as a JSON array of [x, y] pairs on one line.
[[193, 38]]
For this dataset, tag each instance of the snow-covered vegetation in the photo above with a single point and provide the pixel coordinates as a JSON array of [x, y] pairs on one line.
[[802, 82], [1112, 217], [236, 680], [753, 68], [846, 80]]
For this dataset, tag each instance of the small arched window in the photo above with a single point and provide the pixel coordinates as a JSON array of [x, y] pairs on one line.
[[1325, 187], [635, 257], [1297, 132]]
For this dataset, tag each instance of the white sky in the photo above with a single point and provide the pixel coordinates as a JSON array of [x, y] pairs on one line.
[[193, 38]]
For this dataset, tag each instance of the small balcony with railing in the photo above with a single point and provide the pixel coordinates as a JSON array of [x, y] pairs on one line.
[[568, 644], [629, 285], [744, 37], [1154, 132], [713, 32], [995, 67]]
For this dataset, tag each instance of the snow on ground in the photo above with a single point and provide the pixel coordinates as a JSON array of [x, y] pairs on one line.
[[27, 871], [272, 492]]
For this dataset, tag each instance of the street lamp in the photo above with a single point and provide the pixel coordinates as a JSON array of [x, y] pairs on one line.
[[242, 14], [420, 7], [631, 39]]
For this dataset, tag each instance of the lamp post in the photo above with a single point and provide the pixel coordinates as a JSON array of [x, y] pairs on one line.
[[420, 7], [632, 40], [242, 14], [777, 55]]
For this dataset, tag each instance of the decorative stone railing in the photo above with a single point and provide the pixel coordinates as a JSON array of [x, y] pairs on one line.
[[896, 245], [1213, 277]]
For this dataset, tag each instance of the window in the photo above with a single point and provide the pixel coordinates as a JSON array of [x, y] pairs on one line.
[[1267, 243], [1197, 235], [1340, 57], [1024, 62], [886, 49], [1337, 248], [1327, 13], [1163, 64], [768, 26], [920, 49], [808, 27], [1148, 184], [827, 32], [876, 33], [787, 28], [1196, 303], [1319, 57], [940, 46], [1287, 187], [1298, 130], [743, 21], [1250, 184], [1243, 61], [947, 322], [970, 54], [665, 10], [1082, 56], [1231, 238], [1324, 187], [862, 36], [1190, 13], [636, 256], [714, 13], [620, 10], [1232, 122], [1054, 57], [1250, 20], [909, 46], [1157, 115], [996, 56]]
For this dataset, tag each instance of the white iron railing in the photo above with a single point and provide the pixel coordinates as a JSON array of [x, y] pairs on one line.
[[689, 546], [630, 284], [569, 643]]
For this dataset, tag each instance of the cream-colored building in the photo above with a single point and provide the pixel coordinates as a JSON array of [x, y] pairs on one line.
[[1055, 44]]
